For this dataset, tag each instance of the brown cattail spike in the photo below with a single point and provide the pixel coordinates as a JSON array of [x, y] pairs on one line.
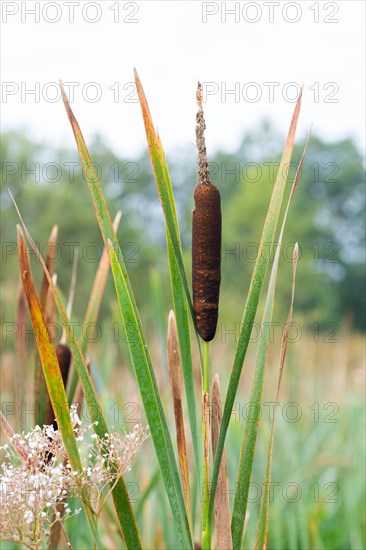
[[206, 240]]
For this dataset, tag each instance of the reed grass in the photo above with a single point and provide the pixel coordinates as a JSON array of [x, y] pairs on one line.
[[190, 488]]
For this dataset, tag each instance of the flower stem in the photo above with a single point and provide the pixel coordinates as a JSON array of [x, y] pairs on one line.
[[206, 531], [206, 366]]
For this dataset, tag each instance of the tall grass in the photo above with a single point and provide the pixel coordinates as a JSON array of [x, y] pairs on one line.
[[190, 482]]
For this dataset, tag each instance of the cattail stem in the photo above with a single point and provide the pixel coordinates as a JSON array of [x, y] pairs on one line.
[[206, 528], [206, 366]]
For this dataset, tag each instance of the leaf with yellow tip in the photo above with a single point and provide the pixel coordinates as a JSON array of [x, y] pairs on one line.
[[180, 292], [119, 493], [51, 371], [143, 368], [41, 398], [47, 355]]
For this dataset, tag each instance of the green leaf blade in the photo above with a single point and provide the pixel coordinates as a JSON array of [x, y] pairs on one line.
[[152, 404], [255, 290], [255, 402], [179, 284], [152, 401]]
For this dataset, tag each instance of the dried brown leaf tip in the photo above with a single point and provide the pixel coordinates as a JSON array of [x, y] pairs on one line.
[[222, 507], [175, 373], [206, 239]]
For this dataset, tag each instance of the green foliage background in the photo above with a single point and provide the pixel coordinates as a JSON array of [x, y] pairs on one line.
[[327, 219]]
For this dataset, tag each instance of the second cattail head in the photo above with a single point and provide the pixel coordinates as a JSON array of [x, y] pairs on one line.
[[63, 354]]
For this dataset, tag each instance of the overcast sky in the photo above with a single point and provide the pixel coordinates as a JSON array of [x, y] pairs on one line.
[[260, 51]]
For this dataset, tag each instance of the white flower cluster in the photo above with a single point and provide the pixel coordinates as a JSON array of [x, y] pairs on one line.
[[36, 492]]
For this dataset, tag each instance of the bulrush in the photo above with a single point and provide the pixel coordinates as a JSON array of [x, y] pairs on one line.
[[206, 240]]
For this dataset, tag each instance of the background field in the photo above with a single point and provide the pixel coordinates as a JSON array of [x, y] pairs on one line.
[[318, 467]]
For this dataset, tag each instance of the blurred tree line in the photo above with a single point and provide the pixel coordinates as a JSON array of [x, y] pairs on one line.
[[326, 219]]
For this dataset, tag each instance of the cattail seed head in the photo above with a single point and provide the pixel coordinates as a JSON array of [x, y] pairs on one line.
[[206, 239], [206, 258]]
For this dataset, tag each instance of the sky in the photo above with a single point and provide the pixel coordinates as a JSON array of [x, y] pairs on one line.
[[251, 58]]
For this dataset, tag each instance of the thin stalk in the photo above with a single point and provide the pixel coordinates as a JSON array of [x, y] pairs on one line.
[[206, 530], [92, 310], [9, 432], [255, 290], [206, 366]]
